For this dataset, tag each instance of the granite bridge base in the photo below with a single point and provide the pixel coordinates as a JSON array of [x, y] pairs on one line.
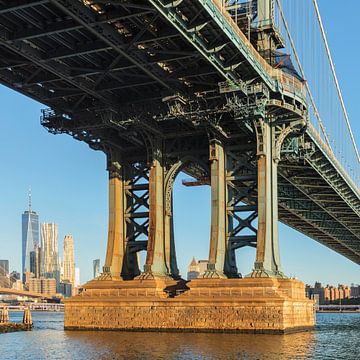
[[255, 305]]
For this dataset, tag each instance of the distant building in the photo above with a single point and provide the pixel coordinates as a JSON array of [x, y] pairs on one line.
[[35, 261], [344, 292], [96, 268], [28, 275], [15, 275], [195, 269], [30, 236], [355, 291], [4, 274], [42, 286], [69, 263], [66, 289], [328, 294], [50, 252], [4, 267], [18, 285]]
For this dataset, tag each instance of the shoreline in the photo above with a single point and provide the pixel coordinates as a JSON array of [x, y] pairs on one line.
[[13, 327], [338, 311], [36, 310]]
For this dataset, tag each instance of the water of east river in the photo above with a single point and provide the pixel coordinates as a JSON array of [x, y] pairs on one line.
[[337, 336]]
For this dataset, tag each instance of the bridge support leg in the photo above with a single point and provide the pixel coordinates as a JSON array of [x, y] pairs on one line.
[[267, 262], [116, 230], [121, 254], [155, 266], [218, 212]]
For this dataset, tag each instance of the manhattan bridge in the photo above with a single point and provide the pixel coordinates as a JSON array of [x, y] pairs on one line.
[[240, 95]]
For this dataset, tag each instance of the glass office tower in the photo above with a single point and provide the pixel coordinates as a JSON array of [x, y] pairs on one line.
[[30, 236]]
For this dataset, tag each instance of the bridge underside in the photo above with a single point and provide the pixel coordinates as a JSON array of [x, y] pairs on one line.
[[106, 68], [167, 86]]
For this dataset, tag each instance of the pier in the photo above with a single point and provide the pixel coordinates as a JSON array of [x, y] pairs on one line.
[[7, 326]]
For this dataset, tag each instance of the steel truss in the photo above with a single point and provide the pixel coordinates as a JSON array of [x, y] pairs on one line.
[[152, 84]]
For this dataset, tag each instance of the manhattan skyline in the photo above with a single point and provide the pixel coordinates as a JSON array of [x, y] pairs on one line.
[[69, 183]]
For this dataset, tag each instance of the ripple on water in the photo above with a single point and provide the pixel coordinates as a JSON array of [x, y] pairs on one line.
[[337, 336]]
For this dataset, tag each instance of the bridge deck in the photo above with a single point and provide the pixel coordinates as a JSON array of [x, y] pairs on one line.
[[8, 291], [105, 69]]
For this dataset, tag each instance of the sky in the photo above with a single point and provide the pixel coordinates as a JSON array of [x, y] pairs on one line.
[[69, 182]]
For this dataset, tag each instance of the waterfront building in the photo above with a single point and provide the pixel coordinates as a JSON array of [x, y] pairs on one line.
[[328, 294], [35, 261], [96, 268], [68, 262], [344, 292], [42, 286], [50, 267], [196, 268], [354, 291], [30, 236]]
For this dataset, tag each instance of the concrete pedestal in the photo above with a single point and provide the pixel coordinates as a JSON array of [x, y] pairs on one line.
[[259, 305]]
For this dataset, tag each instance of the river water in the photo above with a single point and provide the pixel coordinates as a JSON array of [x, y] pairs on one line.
[[337, 336]]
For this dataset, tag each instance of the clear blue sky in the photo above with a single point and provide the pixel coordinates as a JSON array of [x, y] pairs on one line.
[[69, 181]]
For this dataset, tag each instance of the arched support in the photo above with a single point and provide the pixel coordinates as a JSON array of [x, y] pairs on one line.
[[269, 142], [170, 252], [171, 174]]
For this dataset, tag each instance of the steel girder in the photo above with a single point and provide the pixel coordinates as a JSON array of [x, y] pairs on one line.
[[242, 205], [128, 217], [77, 70]]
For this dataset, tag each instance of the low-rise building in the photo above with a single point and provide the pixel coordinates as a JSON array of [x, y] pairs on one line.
[[42, 286], [196, 268]]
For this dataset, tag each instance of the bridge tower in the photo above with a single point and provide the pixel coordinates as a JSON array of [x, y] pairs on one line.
[[231, 127]]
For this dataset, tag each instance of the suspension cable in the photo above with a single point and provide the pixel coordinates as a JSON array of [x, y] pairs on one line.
[[335, 78], [303, 74]]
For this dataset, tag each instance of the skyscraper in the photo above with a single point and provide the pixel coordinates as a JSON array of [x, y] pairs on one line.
[[50, 267], [96, 267], [30, 235], [35, 261], [69, 263]]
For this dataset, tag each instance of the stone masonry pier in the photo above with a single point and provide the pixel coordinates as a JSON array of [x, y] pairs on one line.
[[255, 305]]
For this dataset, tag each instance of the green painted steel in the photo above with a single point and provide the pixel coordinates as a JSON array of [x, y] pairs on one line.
[[213, 10], [181, 74]]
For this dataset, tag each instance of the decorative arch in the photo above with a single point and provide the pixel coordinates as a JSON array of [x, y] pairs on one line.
[[175, 169], [168, 218]]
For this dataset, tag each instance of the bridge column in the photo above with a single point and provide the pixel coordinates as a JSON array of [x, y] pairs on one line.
[[155, 266], [116, 228], [267, 262], [121, 258], [218, 212]]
